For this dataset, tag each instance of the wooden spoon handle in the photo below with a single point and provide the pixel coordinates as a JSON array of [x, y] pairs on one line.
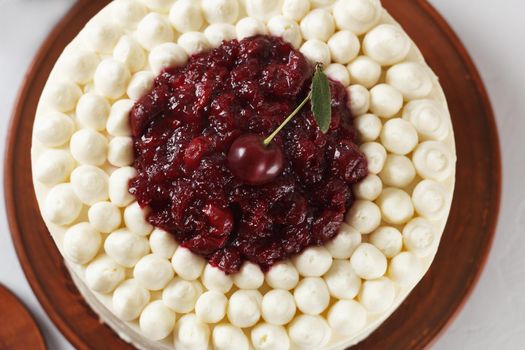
[[18, 329]]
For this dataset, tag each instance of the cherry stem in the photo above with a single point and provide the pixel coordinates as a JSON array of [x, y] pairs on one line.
[[269, 139]]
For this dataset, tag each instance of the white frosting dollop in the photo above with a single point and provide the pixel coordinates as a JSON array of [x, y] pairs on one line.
[[215, 279], [313, 261], [103, 274], [104, 216], [101, 36], [344, 244], [218, 32], [120, 151], [434, 160], [153, 30], [369, 188], [263, 9], [359, 101], [61, 96], [385, 100], [286, 29], [79, 65], [191, 333], [295, 9], [167, 55], [342, 281], [186, 16], [193, 43], [368, 262], [316, 51], [181, 295], [321, 3], [157, 320], [221, 11], [282, 275], [89, 147], [118, 121], [61, 205], [227, 337], [119, 186], [244, 308], [162, 243], [53, 167], [420, 237], [364, 216], [377, 295], [375, 154], [129, 299], [81, 243], [339, 73], [388, 240], [140, 84], [399, 136], [270, 337], [405, 269], [125, 247], [250, 26], [309, 332], [153, 272], [387, 44], [158, 5], [318, 24], [412, 79], [135, 219], [129, 52], [311, 295], [127, 13], [278, 307], [364, 71], [430, 119], [396, 206], [430, 200], [249, 276], [92, 111], [347, 317], [398, 171], [111, 78], [357, 16], [211, 306], [90, 184], [344, 46], [54, 129], [186, 264]]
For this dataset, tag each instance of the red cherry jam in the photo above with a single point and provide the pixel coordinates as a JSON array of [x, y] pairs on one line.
[[182, 132]]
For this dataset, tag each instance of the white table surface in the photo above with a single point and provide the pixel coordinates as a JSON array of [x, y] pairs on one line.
[[494, 33]]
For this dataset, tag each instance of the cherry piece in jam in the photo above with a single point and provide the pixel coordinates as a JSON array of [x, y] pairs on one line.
[[254, 163], [188, 132]]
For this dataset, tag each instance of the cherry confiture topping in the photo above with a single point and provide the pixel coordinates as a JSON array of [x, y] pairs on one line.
[[256, 161]]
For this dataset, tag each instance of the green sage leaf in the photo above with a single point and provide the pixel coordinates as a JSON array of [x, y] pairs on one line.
[[321, 99]]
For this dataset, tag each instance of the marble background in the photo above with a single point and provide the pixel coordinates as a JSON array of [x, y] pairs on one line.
[[494, 33]]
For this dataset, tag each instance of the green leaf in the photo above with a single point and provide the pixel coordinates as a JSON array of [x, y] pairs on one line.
[[321, 99]]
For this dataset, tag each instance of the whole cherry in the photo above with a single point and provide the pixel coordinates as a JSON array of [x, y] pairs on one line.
[[253, 162]]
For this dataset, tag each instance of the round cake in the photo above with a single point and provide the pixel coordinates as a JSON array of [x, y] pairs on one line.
[[244, 174]]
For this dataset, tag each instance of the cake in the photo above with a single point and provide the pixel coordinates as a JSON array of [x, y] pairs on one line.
[[143, 165]]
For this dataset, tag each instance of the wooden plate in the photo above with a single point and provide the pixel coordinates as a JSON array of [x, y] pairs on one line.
[[432, 304], [18, 329]]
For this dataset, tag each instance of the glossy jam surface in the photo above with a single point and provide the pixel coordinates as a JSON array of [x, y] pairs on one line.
[[183, 130]]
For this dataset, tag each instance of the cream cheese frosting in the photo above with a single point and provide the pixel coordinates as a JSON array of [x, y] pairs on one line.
[[158, 295]]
